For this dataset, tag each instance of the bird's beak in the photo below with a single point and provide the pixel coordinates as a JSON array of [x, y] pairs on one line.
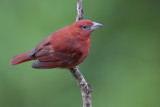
[[96, 25]]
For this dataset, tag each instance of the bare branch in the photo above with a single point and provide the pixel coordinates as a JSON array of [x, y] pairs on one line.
[[86, 89], [79, 11]]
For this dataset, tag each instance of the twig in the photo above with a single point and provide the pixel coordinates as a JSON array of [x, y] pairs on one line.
[[86, 89], [79, 11]]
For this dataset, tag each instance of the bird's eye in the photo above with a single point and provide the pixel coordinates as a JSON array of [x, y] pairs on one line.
[[85, 27]]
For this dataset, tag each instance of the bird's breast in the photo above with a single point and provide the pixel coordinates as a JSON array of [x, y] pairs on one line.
[[85, 47]]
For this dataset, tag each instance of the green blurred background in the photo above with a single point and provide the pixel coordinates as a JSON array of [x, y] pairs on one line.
[[123, 66]]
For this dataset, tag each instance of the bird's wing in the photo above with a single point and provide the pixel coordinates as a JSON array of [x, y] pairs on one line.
[[50, 56]]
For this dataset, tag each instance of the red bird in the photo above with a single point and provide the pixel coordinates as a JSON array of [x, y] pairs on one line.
[[65, 48]]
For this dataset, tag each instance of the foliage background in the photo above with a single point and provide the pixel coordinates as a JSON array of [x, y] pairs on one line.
[[123, 66]]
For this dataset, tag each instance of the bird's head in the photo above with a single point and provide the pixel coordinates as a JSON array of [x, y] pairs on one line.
[[83, 28]]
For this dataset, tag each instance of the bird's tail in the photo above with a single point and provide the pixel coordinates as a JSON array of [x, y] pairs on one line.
[[24, 57]]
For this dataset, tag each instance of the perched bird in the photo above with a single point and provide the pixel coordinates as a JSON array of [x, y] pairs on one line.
[[65, 48]]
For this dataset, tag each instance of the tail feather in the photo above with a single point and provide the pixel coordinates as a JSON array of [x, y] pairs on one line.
[[21, 58]]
